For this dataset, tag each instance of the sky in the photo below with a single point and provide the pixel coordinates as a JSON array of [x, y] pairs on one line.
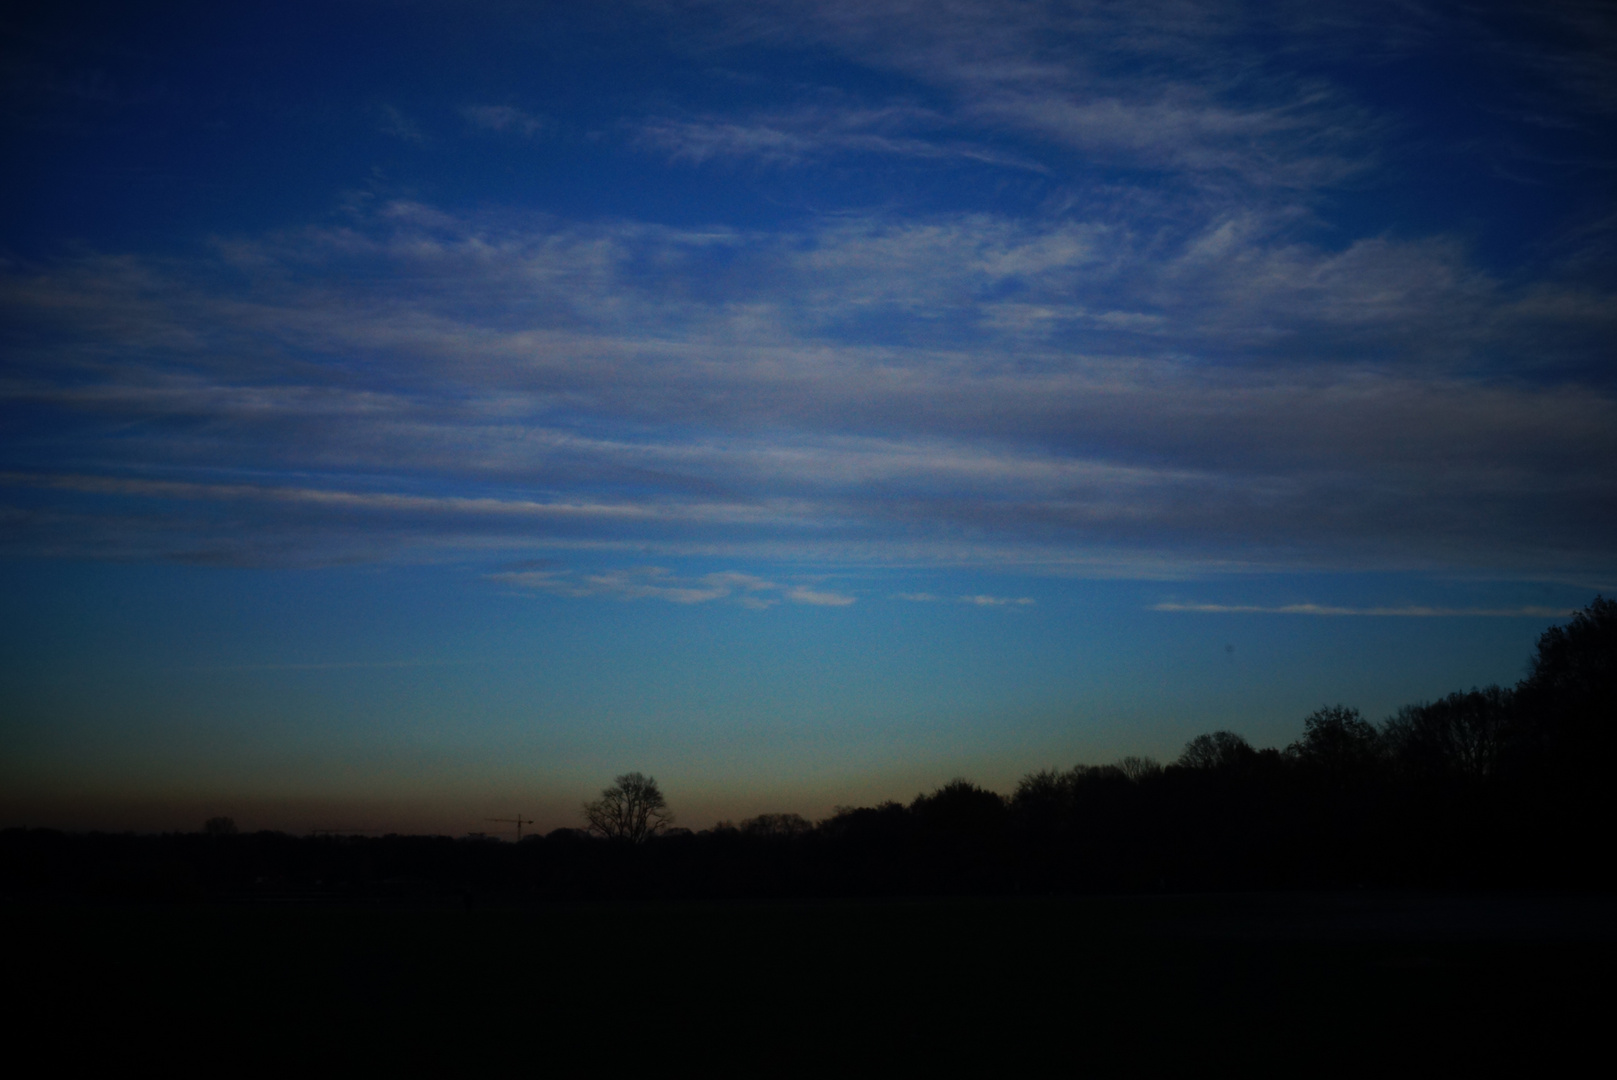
[[418, 413]]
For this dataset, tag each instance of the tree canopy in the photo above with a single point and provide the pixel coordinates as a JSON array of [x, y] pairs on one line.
[[632, 810]]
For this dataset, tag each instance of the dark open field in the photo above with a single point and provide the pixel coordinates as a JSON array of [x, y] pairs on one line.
[[1115, 983]]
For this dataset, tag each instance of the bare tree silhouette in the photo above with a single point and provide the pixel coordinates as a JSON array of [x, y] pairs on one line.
[[1139, 769], [777, 826], [1462, 735], [1338, 740], [1218, 750], [632, 809]]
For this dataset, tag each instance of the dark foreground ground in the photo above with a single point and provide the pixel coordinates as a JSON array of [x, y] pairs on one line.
[[1323, 982]]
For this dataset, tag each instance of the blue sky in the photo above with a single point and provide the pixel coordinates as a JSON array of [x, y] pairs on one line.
[[418, 412]]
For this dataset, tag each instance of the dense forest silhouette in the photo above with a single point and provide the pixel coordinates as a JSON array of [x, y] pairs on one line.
[[1499, 787]]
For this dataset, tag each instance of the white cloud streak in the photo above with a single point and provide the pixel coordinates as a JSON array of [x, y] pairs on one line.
[[660, 583], [1193, 370], [1407, 612], [507, 119], [1228, 395], [1173, 87], [809, 134], [383, 502]]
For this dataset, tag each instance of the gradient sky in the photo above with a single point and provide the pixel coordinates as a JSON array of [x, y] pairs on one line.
[[416, 413]]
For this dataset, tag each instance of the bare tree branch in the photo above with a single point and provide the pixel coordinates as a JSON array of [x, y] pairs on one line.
[[632, 809]]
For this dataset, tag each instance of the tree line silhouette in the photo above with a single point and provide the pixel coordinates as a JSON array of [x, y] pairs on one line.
[[1499, 787]]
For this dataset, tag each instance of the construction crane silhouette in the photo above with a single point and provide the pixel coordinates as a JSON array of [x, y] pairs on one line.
[[518, 821]]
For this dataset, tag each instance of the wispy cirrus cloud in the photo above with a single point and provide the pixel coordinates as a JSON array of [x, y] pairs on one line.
[[382, 502], [391, 120], [1179, 89], [975, 600], [805, 134], [660, 583], [1412, 611], [505, 119], [1232, 395], [988, 600], [802, 594]]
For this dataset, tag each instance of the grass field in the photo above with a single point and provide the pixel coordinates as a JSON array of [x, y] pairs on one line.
[[1110, 984]]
